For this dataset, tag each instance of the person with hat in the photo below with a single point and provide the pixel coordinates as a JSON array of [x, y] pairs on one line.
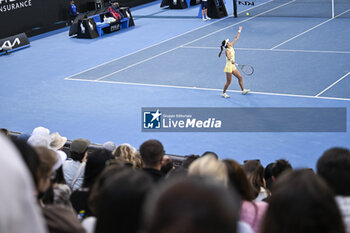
[[57, 141], [73, 169], [40, 137], [110, 146]]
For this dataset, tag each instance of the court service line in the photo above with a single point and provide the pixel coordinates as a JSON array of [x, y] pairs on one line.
[[202, 37], [208, 89], [328, 20], [275, 50], [332, 85], [174, 37]]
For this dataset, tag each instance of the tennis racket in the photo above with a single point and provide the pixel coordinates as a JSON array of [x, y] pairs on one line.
[[247, 69]]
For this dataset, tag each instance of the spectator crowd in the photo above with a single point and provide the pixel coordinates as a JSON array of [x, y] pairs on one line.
[[48, 188]]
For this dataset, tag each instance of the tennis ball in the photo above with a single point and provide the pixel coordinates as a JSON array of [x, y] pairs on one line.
[[247, 13]]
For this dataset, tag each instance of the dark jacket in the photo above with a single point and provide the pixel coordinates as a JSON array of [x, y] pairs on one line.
[[155, 174]]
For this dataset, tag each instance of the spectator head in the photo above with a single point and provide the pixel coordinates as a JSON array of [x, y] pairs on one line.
[[47, 159], [279, 167], [268, 175], [127, 153], [119, 203], [41, 131], [109, 171], [189, 159], [209, 166], [96, 162], [255, 174], [57, 141], [334, 167], [238, 179], [180, 206], [167, 164], [152, 153], [41, 163], [110, 146], [78, 149], [40, 137], [210, 153], [39, 140], [307, 202]]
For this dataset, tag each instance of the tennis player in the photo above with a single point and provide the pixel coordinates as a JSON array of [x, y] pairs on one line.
[[230, 67]]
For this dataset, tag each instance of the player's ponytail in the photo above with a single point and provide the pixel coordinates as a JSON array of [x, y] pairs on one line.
[[220, 50], [221, 47]]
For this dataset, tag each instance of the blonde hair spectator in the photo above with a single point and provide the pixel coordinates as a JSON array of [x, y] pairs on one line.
[[209, 166], [127, 153]]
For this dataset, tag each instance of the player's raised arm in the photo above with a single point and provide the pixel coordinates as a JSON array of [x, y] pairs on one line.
[[237, 36]]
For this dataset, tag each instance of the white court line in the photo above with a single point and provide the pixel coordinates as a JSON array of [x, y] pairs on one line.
[[309, 30], [212, 33], [275, 50], [208, 89], [284, 50], [332, 85], [310, 51], [140, 50]]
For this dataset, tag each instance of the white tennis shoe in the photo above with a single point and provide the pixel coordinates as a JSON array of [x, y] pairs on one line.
[[208, 18], [225, 95], [245, 91]]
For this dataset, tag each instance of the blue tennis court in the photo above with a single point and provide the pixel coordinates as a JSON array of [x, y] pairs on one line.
[[96, 88]]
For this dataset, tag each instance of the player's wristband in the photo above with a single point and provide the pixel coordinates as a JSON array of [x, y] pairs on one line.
[[239, 31]]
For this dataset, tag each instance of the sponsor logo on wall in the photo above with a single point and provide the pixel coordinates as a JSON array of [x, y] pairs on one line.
[[12, 5], [14, 42]]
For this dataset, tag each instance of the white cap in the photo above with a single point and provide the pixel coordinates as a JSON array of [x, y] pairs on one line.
[[40, 130], [39, 140], [110, 146]]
